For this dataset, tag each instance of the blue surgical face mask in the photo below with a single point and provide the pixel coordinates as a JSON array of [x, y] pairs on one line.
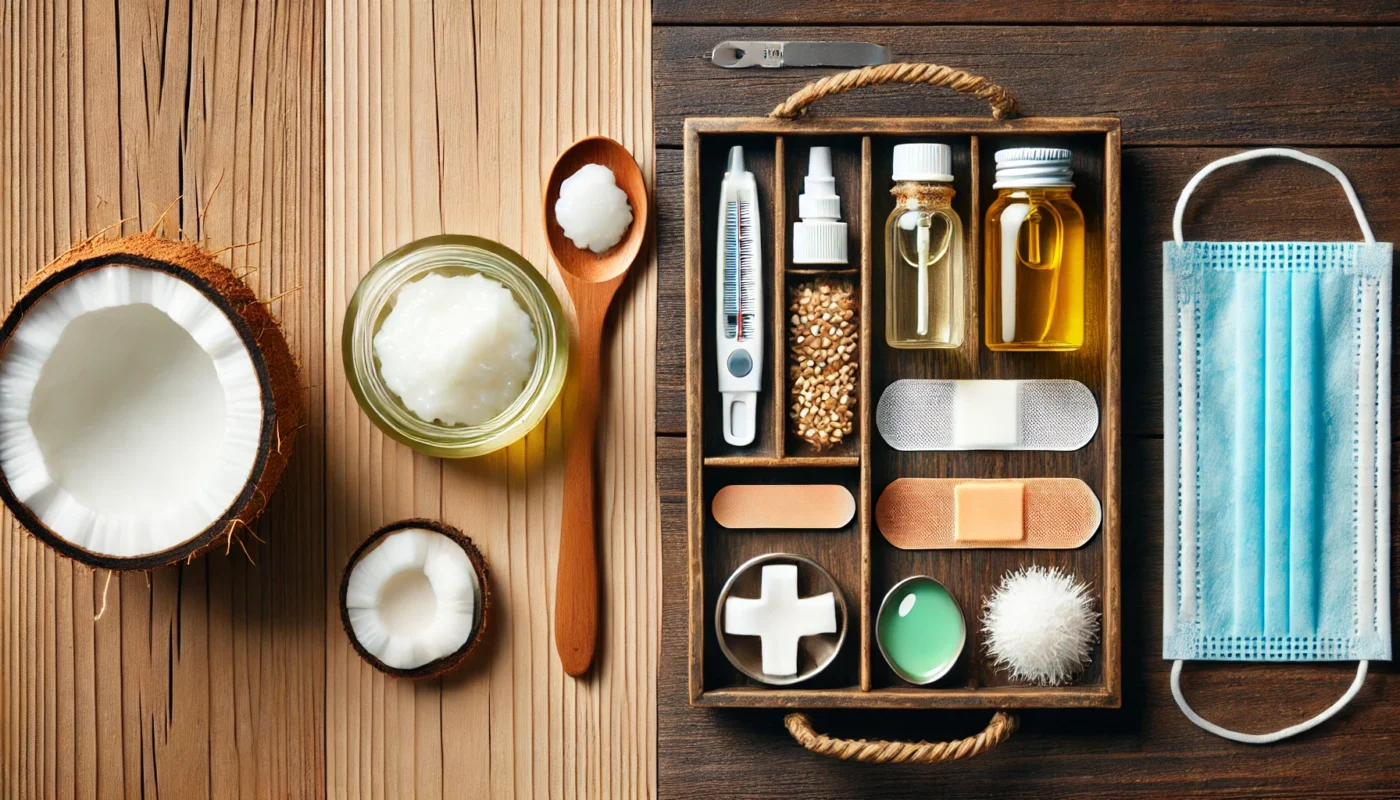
[[1277, 379]]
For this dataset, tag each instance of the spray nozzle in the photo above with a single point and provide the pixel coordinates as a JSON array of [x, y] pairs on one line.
[[819, 200], [819, 163], [820, 238]]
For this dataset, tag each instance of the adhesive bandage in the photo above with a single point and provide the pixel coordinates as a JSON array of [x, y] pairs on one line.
[[781, 506], [951, 513], [987, 415]]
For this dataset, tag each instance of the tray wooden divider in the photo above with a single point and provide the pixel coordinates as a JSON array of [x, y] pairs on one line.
[[861, 560]]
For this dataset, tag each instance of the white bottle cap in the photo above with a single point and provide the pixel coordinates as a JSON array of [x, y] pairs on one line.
[[820, 238], [1033, 168], [923, 161]]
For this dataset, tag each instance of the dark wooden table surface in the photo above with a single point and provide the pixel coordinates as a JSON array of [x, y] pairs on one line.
[[1191, 81]]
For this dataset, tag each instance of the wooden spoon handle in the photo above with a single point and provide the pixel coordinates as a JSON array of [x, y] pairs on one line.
[[576, 591]]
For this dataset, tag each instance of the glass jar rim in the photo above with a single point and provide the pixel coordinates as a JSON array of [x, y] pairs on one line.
[[467, 255]]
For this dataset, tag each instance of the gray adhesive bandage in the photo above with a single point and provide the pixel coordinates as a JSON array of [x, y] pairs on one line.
[[987, 415]]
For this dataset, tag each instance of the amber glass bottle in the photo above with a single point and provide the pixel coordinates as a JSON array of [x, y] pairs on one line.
[[1034, 253]]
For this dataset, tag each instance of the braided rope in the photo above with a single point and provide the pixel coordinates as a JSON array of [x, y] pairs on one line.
[[882, 752], [1002, 103]]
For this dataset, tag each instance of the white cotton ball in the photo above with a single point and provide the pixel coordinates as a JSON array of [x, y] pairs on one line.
[[592, 210], [1039, 624]]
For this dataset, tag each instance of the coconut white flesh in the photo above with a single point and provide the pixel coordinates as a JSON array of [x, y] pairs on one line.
[[412, 598], [130, 412]]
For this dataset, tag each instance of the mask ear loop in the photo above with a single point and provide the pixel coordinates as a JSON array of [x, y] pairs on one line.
[[1264, 738], [1249, 155], [1265, 152]]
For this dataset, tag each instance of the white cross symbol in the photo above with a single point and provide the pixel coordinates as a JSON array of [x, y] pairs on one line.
[[779, 618]]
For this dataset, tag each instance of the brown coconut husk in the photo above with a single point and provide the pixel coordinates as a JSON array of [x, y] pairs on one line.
[[435, 668], [278, 378]]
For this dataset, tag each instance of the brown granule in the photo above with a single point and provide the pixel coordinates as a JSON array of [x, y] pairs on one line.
[[823, 362]]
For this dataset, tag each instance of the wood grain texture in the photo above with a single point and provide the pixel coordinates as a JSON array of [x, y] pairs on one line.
[[867, 266], [327, 135], [1055, 12], [201, 680], [1169, 85], [669, 211], [447, 116]]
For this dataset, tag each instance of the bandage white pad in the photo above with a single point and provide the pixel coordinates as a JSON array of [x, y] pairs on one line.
[[987, 415], [780, 618]]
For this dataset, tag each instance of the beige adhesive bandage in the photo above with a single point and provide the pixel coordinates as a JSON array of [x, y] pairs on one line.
[[772, 506], [949, 513]]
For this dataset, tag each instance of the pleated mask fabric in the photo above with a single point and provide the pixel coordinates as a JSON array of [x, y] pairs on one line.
[[1277, 473]]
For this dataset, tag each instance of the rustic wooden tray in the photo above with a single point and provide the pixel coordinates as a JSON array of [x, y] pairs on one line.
[[863, 563]]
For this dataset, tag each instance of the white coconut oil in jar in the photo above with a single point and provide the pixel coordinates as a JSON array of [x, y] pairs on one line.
[[455, 345], [456, 350]]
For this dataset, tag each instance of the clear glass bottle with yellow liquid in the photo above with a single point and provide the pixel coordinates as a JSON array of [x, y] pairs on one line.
[[923, 251], [1034, 254]]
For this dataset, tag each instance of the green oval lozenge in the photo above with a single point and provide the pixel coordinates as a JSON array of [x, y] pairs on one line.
[[920, 630]]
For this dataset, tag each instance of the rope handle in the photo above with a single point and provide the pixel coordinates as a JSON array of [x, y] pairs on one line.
[[882, 752], [1002, 103]]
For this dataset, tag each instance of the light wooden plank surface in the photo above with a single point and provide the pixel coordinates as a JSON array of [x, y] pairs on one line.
[[201, 679], [333, 134], [447, 117]]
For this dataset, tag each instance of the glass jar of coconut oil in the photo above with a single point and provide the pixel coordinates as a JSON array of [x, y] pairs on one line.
[[433, 324]]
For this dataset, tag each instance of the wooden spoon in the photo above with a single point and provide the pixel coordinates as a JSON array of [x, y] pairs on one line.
[[592, 279]]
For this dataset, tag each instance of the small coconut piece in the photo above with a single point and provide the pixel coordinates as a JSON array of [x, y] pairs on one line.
[[415, 598], [148, 403]]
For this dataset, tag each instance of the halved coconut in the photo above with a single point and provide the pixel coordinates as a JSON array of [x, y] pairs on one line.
[[414, 599], [148, 403]]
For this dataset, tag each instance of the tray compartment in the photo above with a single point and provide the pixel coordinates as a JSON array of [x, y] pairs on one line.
[[1090, 193], [846, 164], [838, 550], [796, 449], [925, 363], [761, 158], [850, 167]]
